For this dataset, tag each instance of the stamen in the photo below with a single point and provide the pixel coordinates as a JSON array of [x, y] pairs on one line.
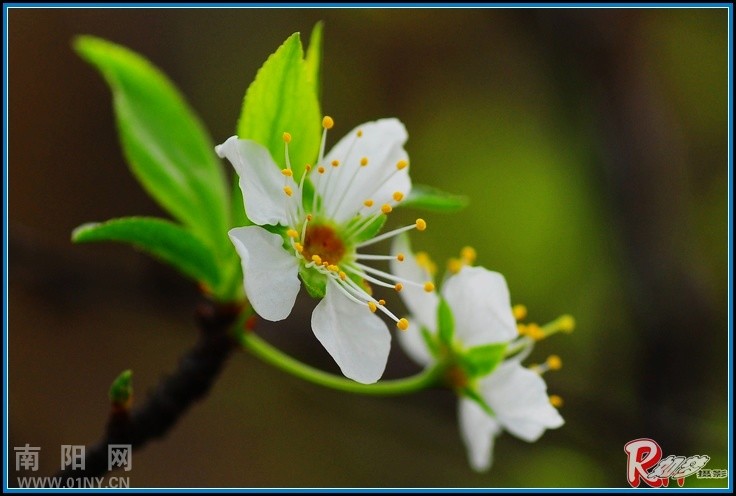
[[372, 306], [352, 285], [395, 232], [368, 203], [554, 362], [381, 302], [386, 208], [556, 401], [359, 133], [321, 169], [287, 172], [402, 324], [398, 287], [390, 277], [364, 161], [519, 312], [402, 164], [428, 287], [454, 265], [327, 122], [292, 233], [317, 259], [335, 163], [468, 254], [398, 196], [288, 191], [400, 257], [287, 137], [367, 256]]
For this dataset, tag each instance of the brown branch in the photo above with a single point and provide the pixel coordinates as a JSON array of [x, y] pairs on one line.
[[175, 393]]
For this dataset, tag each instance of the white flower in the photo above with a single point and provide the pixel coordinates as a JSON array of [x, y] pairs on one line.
[[480, 304], [355, 186]]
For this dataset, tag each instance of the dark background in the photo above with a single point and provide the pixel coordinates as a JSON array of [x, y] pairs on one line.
[[591, 142]]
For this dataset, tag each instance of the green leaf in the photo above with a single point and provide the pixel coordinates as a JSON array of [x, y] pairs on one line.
[[314, 282], [430, 198], [431, 342], [283, 99], [313, 60], [121, 389], [446, 322], [160, 238], [369, 231], [482, 360], [167, 148], [472, 394]]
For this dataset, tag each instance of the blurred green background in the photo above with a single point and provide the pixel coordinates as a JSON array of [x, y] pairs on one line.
[[591, 142]]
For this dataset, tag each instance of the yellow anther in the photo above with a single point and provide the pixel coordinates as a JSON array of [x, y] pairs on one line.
[[317, 259], [321, 169], [292, 233], [402, 324], [342, 275], [364, 161], [567, 323], [309, 217], [421, 224], [398, 286], [325, 264], [288, 191], [398, 196], [335, 163], [454, 265], [402, 164], [554, 362], [535, 332], [298, 247], [468, 255], [425, 262], [287, 138], [368, 203], [372, 306], [519, 312], [360, 133], [287, 172], [522, 329], [327, 122], [400, 257], [428, 287], [333, 268], [556, 401], [308, 168], [381, 302], [386, 208]]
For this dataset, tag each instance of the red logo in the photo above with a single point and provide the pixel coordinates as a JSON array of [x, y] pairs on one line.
[[645, 463]]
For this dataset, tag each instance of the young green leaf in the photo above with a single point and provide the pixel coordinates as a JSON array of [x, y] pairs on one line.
[[371, 230], [121, 389], [430, 198], [166, 146], [283, 99], [313, 60], [446, 322], [470, 393], [482, 360], [160, 238]]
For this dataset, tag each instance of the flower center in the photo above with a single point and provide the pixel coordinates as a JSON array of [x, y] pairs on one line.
[[322, 241]]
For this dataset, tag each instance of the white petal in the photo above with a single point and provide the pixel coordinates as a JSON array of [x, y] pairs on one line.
[[261, 182], [421, 304], [413, 344], [345, 188], [478, 431], [270, 272], [357, 339], [481, 306], [519, 398]]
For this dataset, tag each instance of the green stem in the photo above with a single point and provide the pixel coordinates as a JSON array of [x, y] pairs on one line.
[[429, 377]]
